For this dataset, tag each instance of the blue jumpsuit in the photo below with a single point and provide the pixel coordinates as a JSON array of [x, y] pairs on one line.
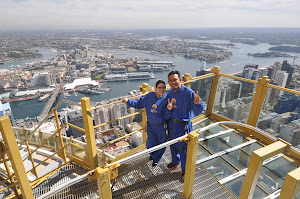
[[183, 111], [155, 126]]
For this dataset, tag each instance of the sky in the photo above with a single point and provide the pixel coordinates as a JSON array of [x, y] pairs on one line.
[[147, 14]]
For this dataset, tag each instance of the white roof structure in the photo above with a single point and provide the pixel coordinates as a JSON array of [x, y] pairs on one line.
[[82, 81]]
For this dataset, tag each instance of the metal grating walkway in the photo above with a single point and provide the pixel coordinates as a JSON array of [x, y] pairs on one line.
[[83, 189], [145, 181]]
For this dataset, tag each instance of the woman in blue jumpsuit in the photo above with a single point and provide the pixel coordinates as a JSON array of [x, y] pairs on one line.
[[152, 102]]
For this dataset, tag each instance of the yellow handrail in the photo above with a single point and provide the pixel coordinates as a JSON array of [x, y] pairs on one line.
[[284, 89], [119, 101], [76, 127], [70, 143], [120, 138], [199, 78], [42, 144], [239, 78], [8, 187], [120, 118], [47, 158]]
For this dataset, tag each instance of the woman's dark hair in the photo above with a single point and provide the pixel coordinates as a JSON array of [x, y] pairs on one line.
[[159, 81], [174, 72]]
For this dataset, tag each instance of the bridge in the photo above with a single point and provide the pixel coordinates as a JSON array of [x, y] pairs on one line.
[[50, 102]]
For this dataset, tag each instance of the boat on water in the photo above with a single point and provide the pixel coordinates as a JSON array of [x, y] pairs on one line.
[[44, 97], [133, 92], [66, 94], [90, 91], [105, 88]]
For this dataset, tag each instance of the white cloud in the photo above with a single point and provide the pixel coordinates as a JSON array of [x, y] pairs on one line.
[[28, 14]]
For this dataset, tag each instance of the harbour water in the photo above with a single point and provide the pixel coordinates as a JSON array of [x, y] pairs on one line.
[[32, 108], [47, 54]]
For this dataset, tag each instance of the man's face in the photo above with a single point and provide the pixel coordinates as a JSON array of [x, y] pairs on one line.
[[174, 81]]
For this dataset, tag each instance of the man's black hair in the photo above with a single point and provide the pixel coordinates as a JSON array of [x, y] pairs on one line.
[[174, 72], [159, 82]]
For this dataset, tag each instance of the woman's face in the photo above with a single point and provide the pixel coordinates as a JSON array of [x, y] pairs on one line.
[[160, 89]]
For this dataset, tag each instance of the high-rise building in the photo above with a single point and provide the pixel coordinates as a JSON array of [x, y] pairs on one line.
[[289, 69], [281, 77], [5, 110], [101, 116]]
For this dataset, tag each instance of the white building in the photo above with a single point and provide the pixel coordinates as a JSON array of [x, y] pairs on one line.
[[5, 110], [80, 82], [281, 77]]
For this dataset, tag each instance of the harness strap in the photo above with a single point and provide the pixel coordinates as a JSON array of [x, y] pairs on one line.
[[181, 122]]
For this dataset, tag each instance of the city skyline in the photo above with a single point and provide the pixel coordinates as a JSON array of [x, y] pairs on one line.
[[115, 14]]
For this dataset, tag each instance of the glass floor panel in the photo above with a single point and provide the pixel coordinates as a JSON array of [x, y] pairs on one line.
[[235, 186], [216, 144], [272, 175], [238, 158], [269, 180], [215, 129], [282, 166], [233, 138], [202, 153], [202, 134], [252, 147], [219, 168]]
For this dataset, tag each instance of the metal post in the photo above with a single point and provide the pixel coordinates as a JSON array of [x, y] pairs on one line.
[[62, 149], [213, 89], [144, 125], [186, 77], [15, 156], [291, 185], [41, 137], [3, 156], [29, 152], [89, 132], [31, 159], [258, 100], [192, 150], [144, 88], [72, 151], [102, 175], [255, 166]]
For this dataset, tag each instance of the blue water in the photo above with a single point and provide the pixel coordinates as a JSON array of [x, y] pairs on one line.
[[239, 59], [47, 54]]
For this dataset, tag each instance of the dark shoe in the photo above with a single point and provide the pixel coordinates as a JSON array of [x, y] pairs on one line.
[[154, 164], [181, 179], [150, 158], [172, 166]]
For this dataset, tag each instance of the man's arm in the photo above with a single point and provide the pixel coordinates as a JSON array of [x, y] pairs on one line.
[[197, 104]]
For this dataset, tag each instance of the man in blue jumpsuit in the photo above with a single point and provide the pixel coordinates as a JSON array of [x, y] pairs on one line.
[[183, 103], [156, 133]]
